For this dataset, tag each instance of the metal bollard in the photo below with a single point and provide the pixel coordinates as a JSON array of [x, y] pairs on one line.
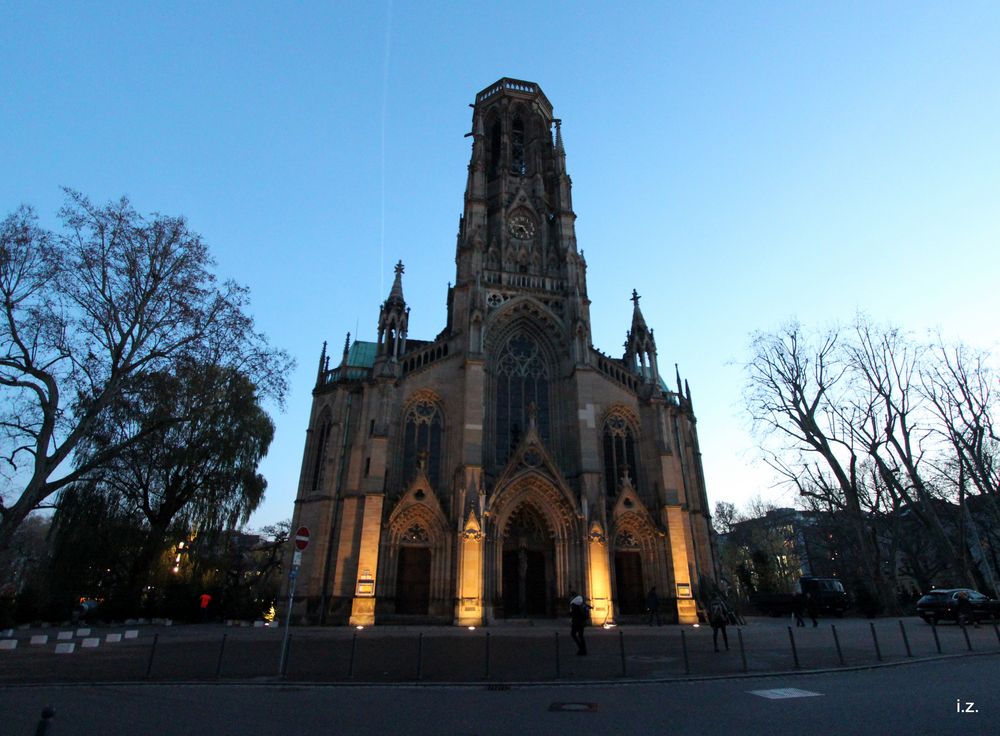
[[558, 673], [906, 641], [795, 652], [222, 650], [487, 655], [152, 651], [284, 656], [937, 642], [420, 655], [743, 654], [350, 663], [836, 641], [965, 633], [878, 651], [48, 713], [621, 646], [684, 647]]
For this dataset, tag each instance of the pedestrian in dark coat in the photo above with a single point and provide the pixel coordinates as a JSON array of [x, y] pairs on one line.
[[812, 606], [798, 607], [653, 606], [718, 617], [578, 615]]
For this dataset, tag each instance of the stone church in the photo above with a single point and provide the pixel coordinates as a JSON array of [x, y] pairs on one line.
[[483, 474]]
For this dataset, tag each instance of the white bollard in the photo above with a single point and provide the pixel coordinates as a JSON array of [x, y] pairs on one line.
[[65, 636], [65, 648], [91, 642], [132, 634], [40, 639], [8, 643], [113, 638]]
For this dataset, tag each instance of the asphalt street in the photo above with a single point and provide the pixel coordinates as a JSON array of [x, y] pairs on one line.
[[946, 696]]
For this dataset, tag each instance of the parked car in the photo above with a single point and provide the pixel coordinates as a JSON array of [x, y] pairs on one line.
[[828, 592], [942, 604]]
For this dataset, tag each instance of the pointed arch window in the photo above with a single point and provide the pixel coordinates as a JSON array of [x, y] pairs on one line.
[[323, 428], [517, 161], [422, 428], [619, 453], [522, 379], [495, 144]]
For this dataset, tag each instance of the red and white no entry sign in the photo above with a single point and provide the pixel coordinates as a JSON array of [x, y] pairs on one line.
[[302, 537]]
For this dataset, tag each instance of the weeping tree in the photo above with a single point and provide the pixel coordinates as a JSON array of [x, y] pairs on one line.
[[191, 440]]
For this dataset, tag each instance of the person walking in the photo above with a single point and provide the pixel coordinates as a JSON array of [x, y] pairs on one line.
[[653, 606], [964, 609], [812, 606], [798, 606], [578, 616], [718, 617]]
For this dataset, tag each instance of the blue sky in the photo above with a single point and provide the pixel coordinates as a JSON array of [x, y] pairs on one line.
[[738, 164]]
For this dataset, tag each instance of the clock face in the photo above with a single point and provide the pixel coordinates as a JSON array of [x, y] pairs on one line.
[[521, 227]]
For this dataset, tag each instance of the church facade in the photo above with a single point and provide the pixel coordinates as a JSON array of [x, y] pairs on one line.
[[485, 473]]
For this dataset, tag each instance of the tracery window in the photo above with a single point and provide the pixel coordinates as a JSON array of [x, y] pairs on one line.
[[522, 380], [422, 440], [319, 450], [619, 453], [415, 534]]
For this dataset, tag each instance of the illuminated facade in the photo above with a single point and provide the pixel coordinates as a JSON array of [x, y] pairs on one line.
[[485, 473]]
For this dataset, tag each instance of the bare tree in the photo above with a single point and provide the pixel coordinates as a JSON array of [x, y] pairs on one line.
[[798, 395], [898, 433], [111, 296]]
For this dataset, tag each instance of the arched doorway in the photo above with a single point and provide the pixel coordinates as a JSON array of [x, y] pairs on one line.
[[413, 574], [528, 565], [629, 590]]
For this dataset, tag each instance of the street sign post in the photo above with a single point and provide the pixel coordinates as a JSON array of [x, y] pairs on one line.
[[301, 542]]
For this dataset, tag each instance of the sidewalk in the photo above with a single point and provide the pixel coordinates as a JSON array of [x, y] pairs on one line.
[[539, 651]]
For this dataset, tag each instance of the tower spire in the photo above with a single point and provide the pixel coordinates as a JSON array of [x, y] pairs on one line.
[[640, 348], [322, 365], [393, 319]]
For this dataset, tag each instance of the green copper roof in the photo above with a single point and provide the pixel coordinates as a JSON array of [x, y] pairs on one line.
[[362, 354]]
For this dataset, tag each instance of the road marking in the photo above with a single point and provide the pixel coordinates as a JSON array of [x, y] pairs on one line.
[[578, 707], [780, 693]]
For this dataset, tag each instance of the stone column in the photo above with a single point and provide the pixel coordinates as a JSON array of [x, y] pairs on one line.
[[469, 604], [687, 610], [363, 606], [599, 577]]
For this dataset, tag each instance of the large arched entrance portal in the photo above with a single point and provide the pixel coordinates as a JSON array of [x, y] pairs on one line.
[[528, 565]]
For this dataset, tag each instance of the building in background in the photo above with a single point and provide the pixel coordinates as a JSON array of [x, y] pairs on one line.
[[487, 472]]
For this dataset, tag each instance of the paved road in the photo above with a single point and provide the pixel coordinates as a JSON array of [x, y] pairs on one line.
[[909, 699]]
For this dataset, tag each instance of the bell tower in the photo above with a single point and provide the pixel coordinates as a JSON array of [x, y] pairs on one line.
[[516, 234]]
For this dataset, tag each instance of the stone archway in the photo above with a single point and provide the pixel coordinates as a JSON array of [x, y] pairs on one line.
[[528, 565], [534, 549]]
